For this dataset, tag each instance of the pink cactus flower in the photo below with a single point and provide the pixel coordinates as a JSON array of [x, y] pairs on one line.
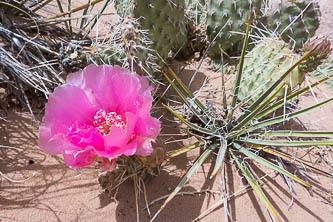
[[101, 113]]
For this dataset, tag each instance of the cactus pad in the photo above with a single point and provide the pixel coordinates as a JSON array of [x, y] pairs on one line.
[[127, 46], [230, 16], [296, 21], [165, 22], [263, 65]]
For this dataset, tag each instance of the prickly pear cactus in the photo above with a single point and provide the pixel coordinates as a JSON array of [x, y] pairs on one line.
[[127, 46], [165, 23], [230, 16], [109, 52], [124, 8], [196, 11], [263, 65], [296, 21]]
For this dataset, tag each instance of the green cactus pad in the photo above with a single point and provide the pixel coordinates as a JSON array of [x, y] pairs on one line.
[[127, 46], [231, 16], [196, 11], [124, 8], [165, 22], [263, 65], [296, 21]]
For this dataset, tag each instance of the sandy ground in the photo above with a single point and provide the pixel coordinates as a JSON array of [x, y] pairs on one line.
[[53, 192], [35, 186], [326, 24]]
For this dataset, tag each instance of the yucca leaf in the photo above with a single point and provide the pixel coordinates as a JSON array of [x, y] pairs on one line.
[[186, 90], [286, 143], [224, 95], [94, 20], [70, 15], [291, 159], [291, 133], [225, 194], [239, 74], [252, 181], [281, 102], [274, 85], [75, 9], [235, 133], [191, 125], [285, 117], [187, 176], [249, 116], [269, 164], [85, 12], [190, 106], [220, 157], [62, 11], [186, 149]]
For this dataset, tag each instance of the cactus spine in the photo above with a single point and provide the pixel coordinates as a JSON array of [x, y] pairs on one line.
[[127, 46]]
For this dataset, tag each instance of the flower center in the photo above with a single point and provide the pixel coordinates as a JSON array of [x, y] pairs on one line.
[[104, 120]]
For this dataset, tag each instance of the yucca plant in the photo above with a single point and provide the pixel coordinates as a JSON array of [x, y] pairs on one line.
[[244, 135]]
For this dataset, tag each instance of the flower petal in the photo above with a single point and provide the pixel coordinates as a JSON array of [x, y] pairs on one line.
[[144, 148], [98, 82], [53, 143], [68, 126], [117, 139], [127, 150], [85, 136], [81, 158], [68, 105], [147, 126], [126, 95]]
